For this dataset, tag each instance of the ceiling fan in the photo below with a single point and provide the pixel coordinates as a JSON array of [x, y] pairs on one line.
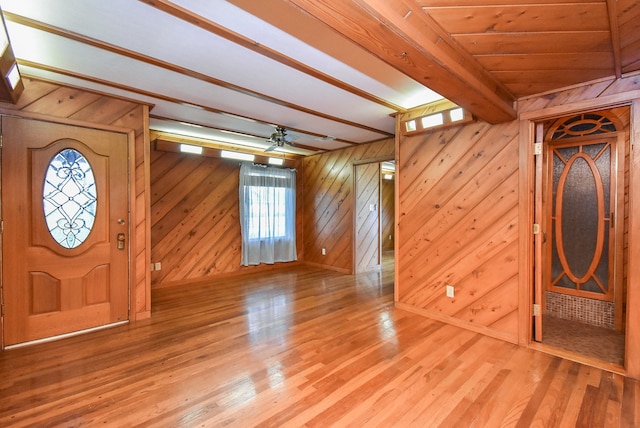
[[279, 138]]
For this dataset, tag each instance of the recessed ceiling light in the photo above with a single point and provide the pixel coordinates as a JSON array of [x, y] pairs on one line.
[[188, 148], [237, 155]]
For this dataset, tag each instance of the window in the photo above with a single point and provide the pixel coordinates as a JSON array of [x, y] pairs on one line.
[[438, 120], [267, 214], [69, 198]]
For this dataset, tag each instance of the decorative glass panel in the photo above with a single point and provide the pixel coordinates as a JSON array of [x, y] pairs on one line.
[[581, 179], [581, 125], [69, 198]]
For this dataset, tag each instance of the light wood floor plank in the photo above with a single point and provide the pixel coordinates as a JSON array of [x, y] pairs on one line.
[[301, 347]]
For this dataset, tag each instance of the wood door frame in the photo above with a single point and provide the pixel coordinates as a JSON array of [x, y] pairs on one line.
[[528, 122], [131, 166]]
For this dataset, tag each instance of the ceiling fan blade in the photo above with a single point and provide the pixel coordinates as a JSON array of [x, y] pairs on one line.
[[271, 148]]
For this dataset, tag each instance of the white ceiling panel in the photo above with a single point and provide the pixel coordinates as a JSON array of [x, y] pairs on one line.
[[196, 75], [168, 39], [406, 94], [62, 53]]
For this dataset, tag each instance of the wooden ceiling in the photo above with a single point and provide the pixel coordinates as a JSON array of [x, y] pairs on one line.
[[332, 72], [541, 46], [485, 54]]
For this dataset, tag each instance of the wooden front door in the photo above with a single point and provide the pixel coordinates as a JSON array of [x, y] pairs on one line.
[[65, 242]]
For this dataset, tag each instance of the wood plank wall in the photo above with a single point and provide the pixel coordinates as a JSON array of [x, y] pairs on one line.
[[367, 227], [55, 102], [457, 225], [329, 204], [195, 226], [387, 206]]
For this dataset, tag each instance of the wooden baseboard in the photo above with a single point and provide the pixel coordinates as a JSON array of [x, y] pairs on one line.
[[487, 331], [329, 267], [244, 270], [140, 316]]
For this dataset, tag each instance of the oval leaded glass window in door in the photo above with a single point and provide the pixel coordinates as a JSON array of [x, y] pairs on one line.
[[583, 198], [69, 198]]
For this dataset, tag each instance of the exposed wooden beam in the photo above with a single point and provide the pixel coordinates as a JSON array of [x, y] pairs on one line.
[[400, 33], [614, 25]]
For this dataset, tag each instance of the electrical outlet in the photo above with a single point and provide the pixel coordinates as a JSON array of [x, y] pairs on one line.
[[158, 266], [324, 251], [450, 291]]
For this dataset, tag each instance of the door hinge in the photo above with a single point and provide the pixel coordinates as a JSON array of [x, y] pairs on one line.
[[537, 148], [537, 310], [536, 229]]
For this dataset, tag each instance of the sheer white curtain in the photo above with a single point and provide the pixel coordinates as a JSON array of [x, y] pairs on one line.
[[267, 214]]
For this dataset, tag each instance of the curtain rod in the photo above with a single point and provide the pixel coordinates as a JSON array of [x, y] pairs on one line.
[[269, 166]]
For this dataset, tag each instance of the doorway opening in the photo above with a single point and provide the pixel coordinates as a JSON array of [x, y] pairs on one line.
[[374, 216], [581, 213], [387, 215]]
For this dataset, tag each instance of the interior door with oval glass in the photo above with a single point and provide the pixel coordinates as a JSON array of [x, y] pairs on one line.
[[580, 222], [65, 212], [582, 240]]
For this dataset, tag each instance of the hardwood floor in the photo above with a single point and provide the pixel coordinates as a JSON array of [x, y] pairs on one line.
[[302, 347]]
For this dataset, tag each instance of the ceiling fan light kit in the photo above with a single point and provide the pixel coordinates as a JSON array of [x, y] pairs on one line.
[[278, 139]]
